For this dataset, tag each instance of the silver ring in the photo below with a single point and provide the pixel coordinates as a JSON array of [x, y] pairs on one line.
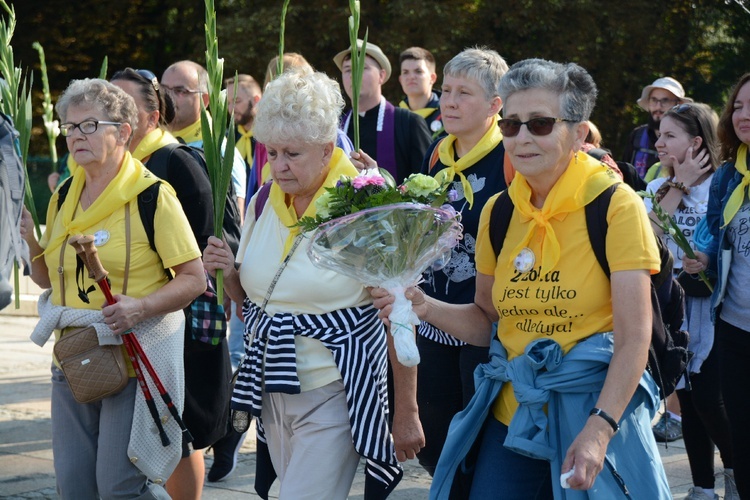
[[114, 325]]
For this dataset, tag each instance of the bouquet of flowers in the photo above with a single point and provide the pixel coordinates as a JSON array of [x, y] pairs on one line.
[[669, 226], [385, 235]]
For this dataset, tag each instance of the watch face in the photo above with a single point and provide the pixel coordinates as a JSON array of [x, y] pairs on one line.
[[101, 237]]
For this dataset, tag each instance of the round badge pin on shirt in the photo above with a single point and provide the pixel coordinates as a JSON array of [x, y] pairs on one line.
[[436, 125], [101, 237], [524, 261]]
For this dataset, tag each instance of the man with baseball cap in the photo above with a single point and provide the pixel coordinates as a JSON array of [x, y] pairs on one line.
[[396, 138], [657, 99]]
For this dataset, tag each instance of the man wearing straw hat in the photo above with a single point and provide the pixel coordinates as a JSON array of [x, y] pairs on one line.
[[396, 138], [656, 99]]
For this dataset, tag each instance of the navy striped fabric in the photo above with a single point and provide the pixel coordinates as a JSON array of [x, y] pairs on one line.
[[437, 335], [356, 338]]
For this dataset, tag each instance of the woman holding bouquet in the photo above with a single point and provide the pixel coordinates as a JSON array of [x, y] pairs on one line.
[[314, 371], [728, 216], [689, 150], [567, 368], [472, 157]]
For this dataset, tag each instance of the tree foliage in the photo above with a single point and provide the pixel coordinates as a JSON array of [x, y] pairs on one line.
[[624, 44]]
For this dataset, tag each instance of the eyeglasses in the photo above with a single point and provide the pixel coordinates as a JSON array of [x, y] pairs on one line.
[[180, 91], [536, 126], [665, 101], [150, 76], [86, 127]]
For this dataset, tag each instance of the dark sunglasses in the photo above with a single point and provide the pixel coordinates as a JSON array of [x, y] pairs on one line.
[[681, 108], [147, 75], [150, 76], [536, 126]]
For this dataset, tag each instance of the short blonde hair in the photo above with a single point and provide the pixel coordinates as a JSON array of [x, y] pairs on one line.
[[299, 107]]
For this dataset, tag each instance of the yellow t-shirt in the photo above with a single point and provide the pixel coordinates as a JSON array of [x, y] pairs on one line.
[[302, 288], [573, 300], [173, 239]]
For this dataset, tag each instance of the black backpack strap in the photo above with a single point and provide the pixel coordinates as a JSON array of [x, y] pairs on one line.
[[147, 209], [596, 223], [62, 192], [500, 216]]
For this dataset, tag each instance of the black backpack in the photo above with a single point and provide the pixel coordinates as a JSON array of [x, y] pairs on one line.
[[157, 164], [668, 356]]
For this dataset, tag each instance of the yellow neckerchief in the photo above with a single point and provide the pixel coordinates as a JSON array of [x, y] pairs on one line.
[[738, 195], [131, 179], [72, 165], [191, 133], [583, 180], [487, 143], [153, 141], [423, 112], [245, 144], [338, 166]]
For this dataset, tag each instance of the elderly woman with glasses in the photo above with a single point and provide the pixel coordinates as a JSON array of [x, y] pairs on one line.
[[314, 371], [566, 391], [110, 448], [207, 367]]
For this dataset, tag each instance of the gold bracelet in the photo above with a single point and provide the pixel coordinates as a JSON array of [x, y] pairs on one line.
[[678, 185]]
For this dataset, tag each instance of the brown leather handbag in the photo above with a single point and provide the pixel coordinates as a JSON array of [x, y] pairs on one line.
[[92, 371]]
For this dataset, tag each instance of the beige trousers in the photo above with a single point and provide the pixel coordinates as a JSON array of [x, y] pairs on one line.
[[310, 442]]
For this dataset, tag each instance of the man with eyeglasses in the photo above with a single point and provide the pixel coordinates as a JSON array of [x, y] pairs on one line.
[[187, 84], [656, 99]]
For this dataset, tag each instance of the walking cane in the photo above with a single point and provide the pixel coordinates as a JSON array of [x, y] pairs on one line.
[[86, 250]]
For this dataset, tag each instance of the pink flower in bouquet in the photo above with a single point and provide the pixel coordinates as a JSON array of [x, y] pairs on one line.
[[362, 181]]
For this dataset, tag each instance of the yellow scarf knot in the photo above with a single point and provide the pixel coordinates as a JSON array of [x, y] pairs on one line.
[[338, 166], [583, 180], [131, 179], [738, 195], [191, 133], [487, 143], [245, 144]]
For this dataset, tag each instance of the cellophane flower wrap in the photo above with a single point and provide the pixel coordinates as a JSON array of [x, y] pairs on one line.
[[387, 236]]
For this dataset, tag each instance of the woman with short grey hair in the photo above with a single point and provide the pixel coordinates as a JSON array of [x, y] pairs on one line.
[[565, 401], [110, 448], [314, 372], [471, 157]]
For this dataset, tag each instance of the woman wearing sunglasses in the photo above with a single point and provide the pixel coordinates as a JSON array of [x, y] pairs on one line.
[[110, 448], [688, 149], [566, 391], [728, 218], [472, 158]]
